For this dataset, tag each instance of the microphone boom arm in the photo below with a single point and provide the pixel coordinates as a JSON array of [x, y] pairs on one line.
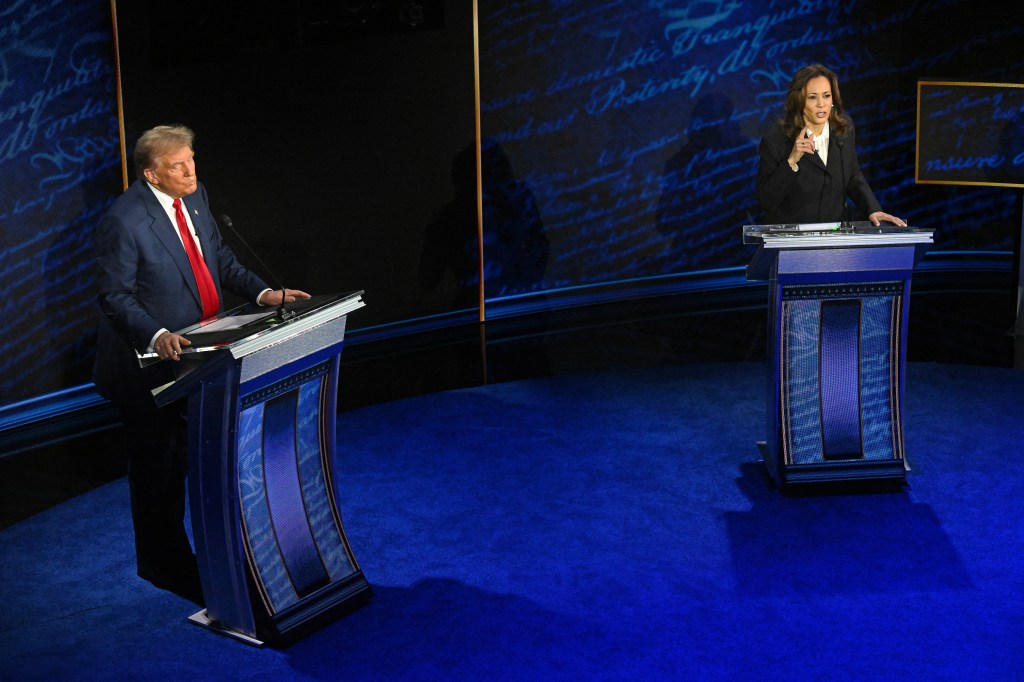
[[282, 312]]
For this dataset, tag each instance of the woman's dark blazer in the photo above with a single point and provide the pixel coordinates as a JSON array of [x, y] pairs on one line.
[[814, 194]]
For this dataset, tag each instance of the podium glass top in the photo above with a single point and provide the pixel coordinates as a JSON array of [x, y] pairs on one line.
[[796, 235], [249, 322]]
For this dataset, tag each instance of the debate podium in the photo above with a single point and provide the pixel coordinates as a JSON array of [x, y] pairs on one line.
[[837, 328], [261, 385]]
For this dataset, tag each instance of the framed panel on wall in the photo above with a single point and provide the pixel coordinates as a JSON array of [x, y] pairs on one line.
[[970, 133]]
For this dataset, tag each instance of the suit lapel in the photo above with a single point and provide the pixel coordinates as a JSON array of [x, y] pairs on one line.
[[203, 222], [835, 159], [167, 234], [816, 159]]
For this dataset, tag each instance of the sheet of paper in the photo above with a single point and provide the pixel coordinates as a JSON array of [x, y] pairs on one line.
[[233, 322]]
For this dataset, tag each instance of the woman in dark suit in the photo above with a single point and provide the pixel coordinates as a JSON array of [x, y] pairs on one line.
[[808, 162]]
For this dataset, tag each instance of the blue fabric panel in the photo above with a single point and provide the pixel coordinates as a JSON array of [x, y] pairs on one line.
[[284, 495], [879, 388], [801, 402], [840, 379], [312, 453], [259, 533]]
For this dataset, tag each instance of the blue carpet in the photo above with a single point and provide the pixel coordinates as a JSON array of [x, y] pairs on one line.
[[605, 526]]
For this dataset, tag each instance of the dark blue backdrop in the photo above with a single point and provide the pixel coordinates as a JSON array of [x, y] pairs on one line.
[[635, 125], [60, 168], [619, 145]]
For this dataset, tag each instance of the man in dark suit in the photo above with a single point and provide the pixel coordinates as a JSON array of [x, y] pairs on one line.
[[162, 266]]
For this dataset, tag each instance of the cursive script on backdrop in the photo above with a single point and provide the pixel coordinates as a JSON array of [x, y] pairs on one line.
[[60, 159], [637, 123]]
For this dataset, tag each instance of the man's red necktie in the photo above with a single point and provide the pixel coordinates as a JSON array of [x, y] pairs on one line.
[[207, 290]]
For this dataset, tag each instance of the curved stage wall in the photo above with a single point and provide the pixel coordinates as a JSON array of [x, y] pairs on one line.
[[618, 146]]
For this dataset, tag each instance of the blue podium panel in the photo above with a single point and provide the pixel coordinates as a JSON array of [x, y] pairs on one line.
[[273, 556], [836, 349], [839, 384], [295, 545]]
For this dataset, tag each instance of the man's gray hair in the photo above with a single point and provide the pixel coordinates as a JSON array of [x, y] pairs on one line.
[[158, 141]]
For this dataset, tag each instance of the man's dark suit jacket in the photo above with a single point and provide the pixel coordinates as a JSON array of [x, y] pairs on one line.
[[814, 194], [146, 284]]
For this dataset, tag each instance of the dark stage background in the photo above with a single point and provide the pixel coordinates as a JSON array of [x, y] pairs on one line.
[[619, 142], [636, 124]]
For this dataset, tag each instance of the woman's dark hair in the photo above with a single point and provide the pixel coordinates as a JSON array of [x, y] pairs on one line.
[[793, 120]]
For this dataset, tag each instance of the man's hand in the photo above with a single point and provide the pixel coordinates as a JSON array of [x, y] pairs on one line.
[[273, 297], [168, 346]]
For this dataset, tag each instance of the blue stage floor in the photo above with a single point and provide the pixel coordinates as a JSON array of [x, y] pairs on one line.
[[611, 525]]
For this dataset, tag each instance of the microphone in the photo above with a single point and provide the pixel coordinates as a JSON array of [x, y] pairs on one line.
[[844, 217], [826, 179], [283, 313]]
